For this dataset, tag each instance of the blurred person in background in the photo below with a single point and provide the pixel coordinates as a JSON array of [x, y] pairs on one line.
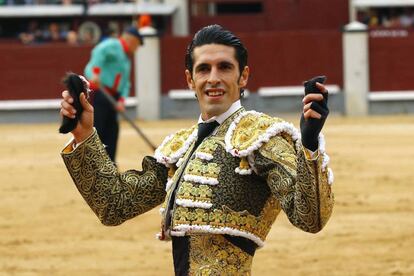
[[221, 182], [53, 33], [406, 18], [108, 71], [72, 38], [33, 33]]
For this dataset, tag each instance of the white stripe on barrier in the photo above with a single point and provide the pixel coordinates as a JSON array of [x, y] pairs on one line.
[[44, 104], [279, 91], [379, 96]]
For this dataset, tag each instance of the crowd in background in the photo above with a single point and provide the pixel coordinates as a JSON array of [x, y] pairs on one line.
[[387, 17], [35, 32], [87, 33], [58, 2], [61, 32]]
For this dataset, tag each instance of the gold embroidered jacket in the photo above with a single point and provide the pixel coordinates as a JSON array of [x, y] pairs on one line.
[[236, 182]]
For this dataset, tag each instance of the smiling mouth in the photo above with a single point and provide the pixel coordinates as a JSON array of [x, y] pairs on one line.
[[214, 93]]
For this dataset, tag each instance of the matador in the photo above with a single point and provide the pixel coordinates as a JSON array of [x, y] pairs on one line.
[[222, 182]]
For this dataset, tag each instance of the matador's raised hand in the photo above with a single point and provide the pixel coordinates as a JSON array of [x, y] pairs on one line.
[[84, 127], [315, 112]]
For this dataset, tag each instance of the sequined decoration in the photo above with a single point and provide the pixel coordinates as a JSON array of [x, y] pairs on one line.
[[214, 255]]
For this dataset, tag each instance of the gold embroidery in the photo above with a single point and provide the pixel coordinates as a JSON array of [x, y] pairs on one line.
[[200, 217], [280, 150], [208, 146], [326, 195], [197, 167], [203, 192], [185, 191], [242, 221], [244, 164], [181, 215], [214, 255], [222, 129], [217, 219], [292, 181], [194, 192], [171, 171], [268, 216], [177, 141], [249, 129], [114, 197]]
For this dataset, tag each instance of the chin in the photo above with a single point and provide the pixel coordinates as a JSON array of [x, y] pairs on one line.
[[215, 111]]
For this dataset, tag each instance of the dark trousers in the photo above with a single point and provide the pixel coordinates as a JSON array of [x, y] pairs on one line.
[[106, 123]]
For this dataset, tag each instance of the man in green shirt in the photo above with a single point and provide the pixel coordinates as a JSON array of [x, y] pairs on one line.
[[109, 69]]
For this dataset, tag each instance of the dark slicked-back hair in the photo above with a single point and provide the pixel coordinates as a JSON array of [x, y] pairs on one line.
[[216, 34]]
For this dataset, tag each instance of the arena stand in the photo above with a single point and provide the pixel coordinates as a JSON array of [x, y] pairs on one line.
[[276, 48]]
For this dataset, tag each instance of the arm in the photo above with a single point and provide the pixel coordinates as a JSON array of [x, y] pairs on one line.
[[300, 184], [100, 56], [114, 197], [299, 181], [126, 82], [124, 89]]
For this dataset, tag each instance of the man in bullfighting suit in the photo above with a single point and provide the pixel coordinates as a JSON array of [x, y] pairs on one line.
[[221, 182]]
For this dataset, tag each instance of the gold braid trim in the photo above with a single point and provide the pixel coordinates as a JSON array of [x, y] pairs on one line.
[[252, 129], [175, 146], [114, 197], [300, 185], [214, 255], [227, 221], [326, 196]]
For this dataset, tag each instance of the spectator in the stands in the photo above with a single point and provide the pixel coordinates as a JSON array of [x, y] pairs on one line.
[[407, 18], [54, 34], [387, 17], [72, 38], [33, 34]]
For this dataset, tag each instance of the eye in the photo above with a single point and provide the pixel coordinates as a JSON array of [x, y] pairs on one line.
[[226, 66], [202, 68]]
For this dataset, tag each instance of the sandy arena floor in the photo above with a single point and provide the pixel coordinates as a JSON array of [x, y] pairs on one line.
[[47, 229]]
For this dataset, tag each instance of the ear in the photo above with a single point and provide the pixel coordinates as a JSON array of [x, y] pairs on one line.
[[244, 77], [189, 79]]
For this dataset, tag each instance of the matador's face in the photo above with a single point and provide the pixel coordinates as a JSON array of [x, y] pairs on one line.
[[216, 78]]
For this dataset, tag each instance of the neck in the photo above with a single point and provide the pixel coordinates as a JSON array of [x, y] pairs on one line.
[[221, 117]]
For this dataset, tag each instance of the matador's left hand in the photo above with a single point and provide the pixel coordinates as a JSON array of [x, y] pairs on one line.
[[315, 112]]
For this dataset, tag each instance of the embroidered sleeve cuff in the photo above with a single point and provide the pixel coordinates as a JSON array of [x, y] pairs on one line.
[[71, 145]]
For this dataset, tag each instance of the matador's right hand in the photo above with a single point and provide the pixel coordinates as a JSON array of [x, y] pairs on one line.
[[85, 125]]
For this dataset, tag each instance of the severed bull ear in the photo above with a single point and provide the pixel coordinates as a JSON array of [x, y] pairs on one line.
[[75, 84]]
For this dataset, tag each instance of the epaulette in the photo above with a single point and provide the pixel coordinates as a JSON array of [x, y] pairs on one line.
[[249, 131], [252, 129], [175, 146]]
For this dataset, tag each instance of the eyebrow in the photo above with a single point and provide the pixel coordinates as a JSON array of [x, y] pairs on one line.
[[228, 63], [221, 63], [202, 65]]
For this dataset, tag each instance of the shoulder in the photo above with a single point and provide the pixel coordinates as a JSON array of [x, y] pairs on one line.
[[109, 44], [252, 129], [175, 145]]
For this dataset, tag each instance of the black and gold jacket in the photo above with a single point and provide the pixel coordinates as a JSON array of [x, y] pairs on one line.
[[236, 182]]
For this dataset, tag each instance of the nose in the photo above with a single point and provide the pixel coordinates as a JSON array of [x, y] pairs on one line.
[[214, 77]]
